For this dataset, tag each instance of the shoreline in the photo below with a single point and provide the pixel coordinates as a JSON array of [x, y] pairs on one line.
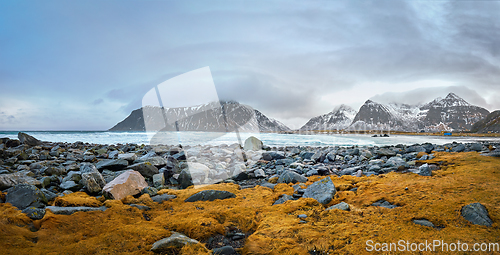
[[256, 186]]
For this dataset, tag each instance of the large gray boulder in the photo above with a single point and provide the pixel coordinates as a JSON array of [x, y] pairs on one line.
[[23, 196], [396, 162], [291, 177], [425, 170], [185, 180], [210, 195], [91, 178], [27, 139], [145, 168], [385, 152], [11, 180], [268, 156], [253, 143], [176, 240], [477, 214], [459, 148], [322, 190]]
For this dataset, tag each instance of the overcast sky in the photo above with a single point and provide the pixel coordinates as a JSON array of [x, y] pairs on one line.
[[84, 65]]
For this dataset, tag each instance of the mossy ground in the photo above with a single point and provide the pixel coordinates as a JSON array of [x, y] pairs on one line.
[[464, 178]]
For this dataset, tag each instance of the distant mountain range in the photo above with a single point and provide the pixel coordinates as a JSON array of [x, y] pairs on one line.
[[451, 113], [222, 116]]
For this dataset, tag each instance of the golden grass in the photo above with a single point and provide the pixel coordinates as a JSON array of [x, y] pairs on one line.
[[464, 178]]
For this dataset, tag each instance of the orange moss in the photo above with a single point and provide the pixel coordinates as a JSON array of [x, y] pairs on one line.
[[77, 199], [194, 249], [144, 199], [463, 178], [421, 154]]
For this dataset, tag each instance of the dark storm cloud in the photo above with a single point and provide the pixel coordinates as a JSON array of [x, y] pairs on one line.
[[278, 57]]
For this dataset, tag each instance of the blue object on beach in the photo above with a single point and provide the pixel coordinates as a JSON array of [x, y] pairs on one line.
[[447, 133]]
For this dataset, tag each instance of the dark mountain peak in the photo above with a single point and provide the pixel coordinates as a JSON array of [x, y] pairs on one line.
[[452, 95], [452, 100]]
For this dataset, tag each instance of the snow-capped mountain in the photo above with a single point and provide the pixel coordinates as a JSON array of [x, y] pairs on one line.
[[267, 124], [223, 116], [449, 113], [394, 116], [452, 111], [340, 118]]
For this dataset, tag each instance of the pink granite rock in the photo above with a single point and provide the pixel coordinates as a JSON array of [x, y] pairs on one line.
[[129, 183]]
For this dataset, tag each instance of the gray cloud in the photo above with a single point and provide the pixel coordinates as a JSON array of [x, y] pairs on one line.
[[280, 59]]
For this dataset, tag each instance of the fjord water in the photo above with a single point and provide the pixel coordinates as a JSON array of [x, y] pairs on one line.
[[270, 139]]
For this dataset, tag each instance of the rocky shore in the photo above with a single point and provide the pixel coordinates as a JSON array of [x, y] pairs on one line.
[[45, 179]]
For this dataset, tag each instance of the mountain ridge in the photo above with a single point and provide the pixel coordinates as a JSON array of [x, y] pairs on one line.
[[441, 114], [221, 116]]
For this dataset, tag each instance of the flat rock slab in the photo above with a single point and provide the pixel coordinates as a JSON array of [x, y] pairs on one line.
[[176, 240], [112, 164], [71, 210], [477, 214], [383, 203], [210, 195], [322, 190], [161, 198], [424, 222], [341, 206]]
